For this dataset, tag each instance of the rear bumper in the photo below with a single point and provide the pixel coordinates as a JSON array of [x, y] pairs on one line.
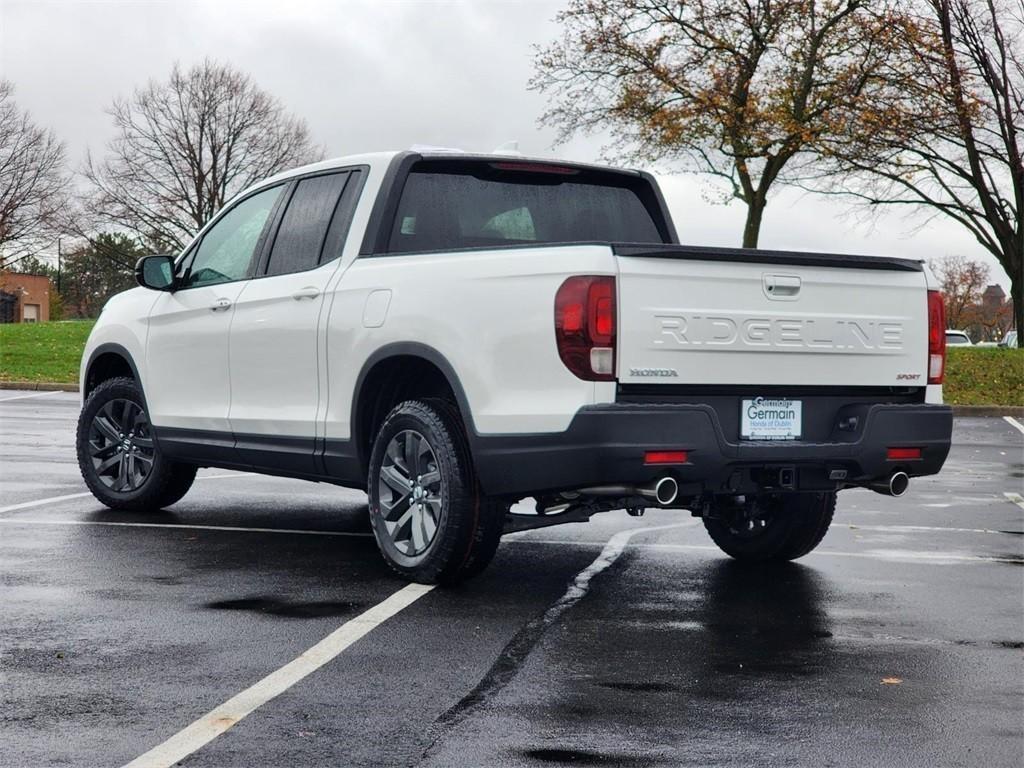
[[606, 444]]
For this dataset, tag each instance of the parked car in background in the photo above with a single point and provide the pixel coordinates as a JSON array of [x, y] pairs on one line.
[[1009, 340], [958, 339]]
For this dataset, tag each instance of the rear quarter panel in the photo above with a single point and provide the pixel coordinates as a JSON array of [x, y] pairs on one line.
[[489, 313]]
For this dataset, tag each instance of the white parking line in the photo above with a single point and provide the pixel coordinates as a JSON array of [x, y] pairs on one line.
[[183, 526], [43, 502], [83, 494], [917, 529], [1016, 498], [1014, 423], [888, 555], [218, 720], [25, 397], [609, 554]]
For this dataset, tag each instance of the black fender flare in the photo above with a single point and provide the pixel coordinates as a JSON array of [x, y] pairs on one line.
[[424, 352], [105, 349]]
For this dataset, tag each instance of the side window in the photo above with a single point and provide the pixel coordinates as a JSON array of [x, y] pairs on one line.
[[226, 250], [300, 237], [334, 243], [516, 224]]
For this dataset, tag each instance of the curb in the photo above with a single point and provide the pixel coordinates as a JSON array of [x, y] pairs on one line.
[[43, 386], [988, 410]]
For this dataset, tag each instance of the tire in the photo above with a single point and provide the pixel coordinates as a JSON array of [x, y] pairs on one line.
[[432, 523], [795, 524], [118, 456]]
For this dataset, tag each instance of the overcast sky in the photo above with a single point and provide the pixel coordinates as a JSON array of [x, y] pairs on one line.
[[385, 75]]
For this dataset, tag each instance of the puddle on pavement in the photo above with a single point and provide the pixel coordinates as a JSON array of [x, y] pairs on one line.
[[285, 609], [585, 757], [647, 687]]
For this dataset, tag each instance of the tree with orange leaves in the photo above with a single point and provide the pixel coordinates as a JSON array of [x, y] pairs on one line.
[[749, 91], [962, 282]]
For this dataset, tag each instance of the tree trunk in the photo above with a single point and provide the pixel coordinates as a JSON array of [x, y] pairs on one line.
[[752, 229], [1017, 297]]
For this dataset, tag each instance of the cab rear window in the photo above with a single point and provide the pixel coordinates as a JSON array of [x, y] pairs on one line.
[[459, 205]]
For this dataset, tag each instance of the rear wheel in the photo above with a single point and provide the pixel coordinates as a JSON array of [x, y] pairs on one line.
[[431, 521], [783, 527], [118, 456]]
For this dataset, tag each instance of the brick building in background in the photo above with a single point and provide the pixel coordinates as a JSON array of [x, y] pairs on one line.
[[989, 319], [24, 298]]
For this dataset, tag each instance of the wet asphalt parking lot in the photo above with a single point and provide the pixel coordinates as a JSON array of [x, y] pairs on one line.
[[625, 642]]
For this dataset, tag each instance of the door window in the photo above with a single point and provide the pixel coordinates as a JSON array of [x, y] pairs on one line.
[[226, 250], [300, 238]]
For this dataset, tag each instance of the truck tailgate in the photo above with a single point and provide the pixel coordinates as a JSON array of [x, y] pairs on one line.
[[741, 317]]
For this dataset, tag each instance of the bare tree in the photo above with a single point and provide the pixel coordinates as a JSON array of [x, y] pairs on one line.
[[963, 284], [33, 182], [950, 138], [746, 90], [184, 147]]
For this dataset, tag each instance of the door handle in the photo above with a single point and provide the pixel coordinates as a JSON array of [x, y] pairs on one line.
[[309, 292], [220, 305]]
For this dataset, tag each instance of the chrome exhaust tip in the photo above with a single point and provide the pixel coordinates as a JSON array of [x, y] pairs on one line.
[[898, 484], [666, 490]]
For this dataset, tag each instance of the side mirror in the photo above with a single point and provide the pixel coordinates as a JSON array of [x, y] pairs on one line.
[[155, 272]]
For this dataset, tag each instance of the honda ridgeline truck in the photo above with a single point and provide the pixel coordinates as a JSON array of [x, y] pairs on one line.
[[454, 333]]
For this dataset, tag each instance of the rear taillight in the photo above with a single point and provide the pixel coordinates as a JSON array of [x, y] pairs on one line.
[[585, 326], [936, 338]]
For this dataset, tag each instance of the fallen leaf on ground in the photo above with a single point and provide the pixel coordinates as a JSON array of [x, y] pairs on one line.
[[892, 680]]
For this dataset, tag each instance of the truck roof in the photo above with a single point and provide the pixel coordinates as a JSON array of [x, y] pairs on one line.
[[383, 159]]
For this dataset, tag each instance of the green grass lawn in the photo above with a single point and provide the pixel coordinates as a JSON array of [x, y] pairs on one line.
[[51, 352], [42, 351], [984, 376]]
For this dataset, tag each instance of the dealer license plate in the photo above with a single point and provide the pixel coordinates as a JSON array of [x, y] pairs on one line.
[[766, 418]]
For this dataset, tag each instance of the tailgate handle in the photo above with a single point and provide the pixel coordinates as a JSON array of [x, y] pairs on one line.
[[781, 286]]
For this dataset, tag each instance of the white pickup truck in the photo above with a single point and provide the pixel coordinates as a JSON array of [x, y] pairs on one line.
[[455, 333]]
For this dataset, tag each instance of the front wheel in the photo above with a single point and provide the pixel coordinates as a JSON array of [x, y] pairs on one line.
[[430, 519], [118, 456], [783, 527]]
